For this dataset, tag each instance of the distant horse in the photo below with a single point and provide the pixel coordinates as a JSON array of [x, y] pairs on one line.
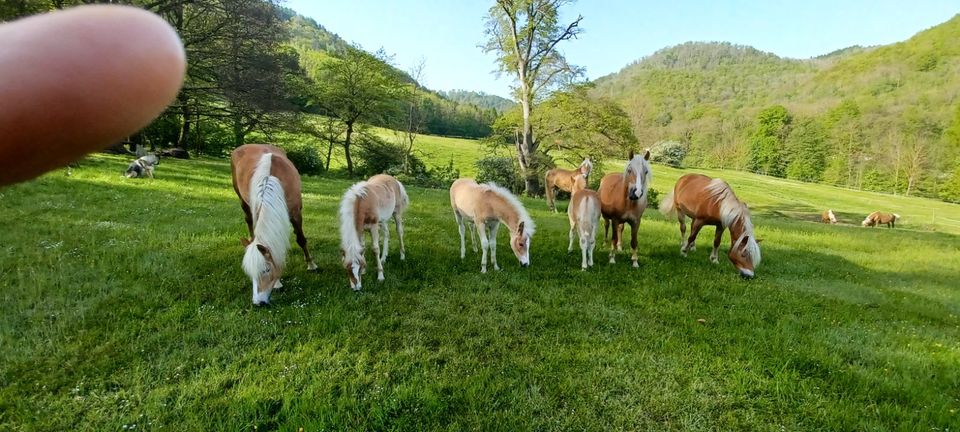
[[828, 217], [488, 205], [712, 202], [584, 214], [563, 179], [269, 189], [876, 218], [368, 205], [623, 198]]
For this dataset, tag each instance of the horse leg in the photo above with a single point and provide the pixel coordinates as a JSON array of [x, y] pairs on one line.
[[613, 241], [375, 236], [297, 221], [683, 233], [460, 228], [620, 237], [473, 236], [695, 227], [551, 203], [591, 245], [634, 226], [482, 232], [573, 226], [494, 227], [247, 216], [716, 245], [386, 241], [584, 244], [398, 219]]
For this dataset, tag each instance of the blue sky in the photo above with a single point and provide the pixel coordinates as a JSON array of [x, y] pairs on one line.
[[445, 33]]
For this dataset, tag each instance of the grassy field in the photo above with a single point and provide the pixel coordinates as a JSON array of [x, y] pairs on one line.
[[126, 309]]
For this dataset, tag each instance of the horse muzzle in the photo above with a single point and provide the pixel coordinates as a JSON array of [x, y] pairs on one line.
[[746, 274]]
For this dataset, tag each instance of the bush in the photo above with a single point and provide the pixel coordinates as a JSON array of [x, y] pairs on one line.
[[305, 157], [653, 198], [376, 156], [501, 170], [381, 157], [669, 153]]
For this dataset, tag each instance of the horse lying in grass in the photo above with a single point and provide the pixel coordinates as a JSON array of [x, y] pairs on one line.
[[828, 217], [268, 186], [584, 214], [563, 179], [712, 202], [368, 205], [488, 205], [877, 218], [623, 198]]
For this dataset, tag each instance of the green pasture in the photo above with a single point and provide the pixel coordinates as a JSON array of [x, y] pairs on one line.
[[125, 308]]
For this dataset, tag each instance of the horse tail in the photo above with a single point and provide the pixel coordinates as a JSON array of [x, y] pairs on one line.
[[668, 205], [896, 216], [404, 198], [548, 190]]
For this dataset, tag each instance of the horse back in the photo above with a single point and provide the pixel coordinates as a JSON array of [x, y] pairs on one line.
[[693, 199], [243, 161]]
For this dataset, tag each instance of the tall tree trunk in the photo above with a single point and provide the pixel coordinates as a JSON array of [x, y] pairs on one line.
[[525, 152], [346, 148], [185, 111]]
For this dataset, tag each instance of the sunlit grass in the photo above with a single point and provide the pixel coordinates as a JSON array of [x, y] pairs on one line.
[[126, 305]]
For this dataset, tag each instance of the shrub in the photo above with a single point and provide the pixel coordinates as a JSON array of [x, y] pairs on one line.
[[501, 170], [668, 153], [653, 198], [305, 157], [376, 156]]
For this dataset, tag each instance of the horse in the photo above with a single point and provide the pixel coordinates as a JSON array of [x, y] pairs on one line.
[[828, 217], [488, 205], [710, 201], [583, 212], [368, 205], [877, 217], [623, 198], [268, 186], [563, 179]]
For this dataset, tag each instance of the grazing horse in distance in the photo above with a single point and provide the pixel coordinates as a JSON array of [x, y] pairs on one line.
[[488, 205], [563, 179], [368, 205], [828, 217], [268, 186], [877, 217], [584, 214], [623, 198], [710, 201]]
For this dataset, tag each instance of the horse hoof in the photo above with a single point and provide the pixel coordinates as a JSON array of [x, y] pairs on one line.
[[312, 267], [636, 265], [714, 260], [483, 270], [380, 277]]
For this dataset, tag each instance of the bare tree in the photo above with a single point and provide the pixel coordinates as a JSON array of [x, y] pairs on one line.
[[524, 34]]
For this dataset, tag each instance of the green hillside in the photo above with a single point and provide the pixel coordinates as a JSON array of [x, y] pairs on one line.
[[883, 118], [127, 309]]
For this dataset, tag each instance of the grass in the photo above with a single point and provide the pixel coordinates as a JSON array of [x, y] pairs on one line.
[[126, 306]]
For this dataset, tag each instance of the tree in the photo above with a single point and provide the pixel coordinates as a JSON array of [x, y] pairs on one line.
[[767, 141], [413, 121], [524, 34], [808, 153], [358, 87]]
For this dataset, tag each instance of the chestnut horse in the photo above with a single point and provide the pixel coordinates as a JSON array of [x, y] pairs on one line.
[[368, 205], [563, 179], [269, 189], [623, 198], [584, 214], [828, 217], [712, 202], [488, 205], [877, 217]]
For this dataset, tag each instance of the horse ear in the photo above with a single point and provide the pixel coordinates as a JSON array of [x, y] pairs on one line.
[[646, 154], [264, 250], [520, 228], [245, 241], [631, 155]]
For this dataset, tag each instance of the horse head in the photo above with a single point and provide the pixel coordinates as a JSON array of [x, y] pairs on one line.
[[355, 265], [638, 175], [520, 243], [260, 266]]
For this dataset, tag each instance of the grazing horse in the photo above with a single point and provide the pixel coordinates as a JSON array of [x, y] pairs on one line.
[[877, 217], [623, 198], [488, 205], [368, 205], [269, 189], [711, 201], [584, 213], [563, 179], [828, 217]]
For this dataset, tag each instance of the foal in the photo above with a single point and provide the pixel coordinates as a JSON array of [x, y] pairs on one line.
[[563, 179], [487, 206], [623, 198], [584, 212], [711, 201], [269, 189], [877, 218], [368, 205], [828, 217]]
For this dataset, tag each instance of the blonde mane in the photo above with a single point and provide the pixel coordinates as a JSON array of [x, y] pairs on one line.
[[350, 240], [271, 222], [528, 226], [731, 211]]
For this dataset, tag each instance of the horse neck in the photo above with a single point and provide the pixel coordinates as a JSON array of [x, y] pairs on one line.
[[737, 229], [506, 213]]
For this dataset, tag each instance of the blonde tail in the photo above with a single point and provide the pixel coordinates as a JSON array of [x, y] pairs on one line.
[[667, 205]]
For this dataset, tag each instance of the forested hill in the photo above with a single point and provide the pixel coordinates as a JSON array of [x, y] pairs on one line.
[[882, 118], [480, 99], [441, 115]]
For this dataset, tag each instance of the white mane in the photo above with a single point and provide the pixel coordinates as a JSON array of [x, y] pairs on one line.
[[271, 222], [731, 210], [528, 226], [645, 166], [589, 165], [350, 240]]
